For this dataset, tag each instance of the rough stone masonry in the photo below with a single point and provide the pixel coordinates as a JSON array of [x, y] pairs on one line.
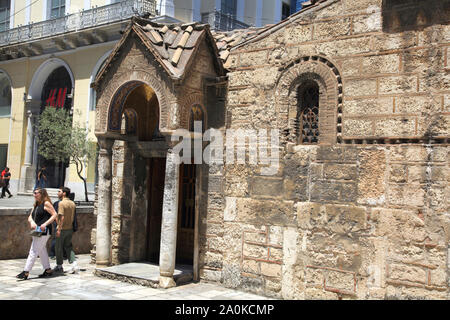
[[360, 91]]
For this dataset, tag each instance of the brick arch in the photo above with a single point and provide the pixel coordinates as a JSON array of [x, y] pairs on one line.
[[328, 78], [186, 105], [110, 105]]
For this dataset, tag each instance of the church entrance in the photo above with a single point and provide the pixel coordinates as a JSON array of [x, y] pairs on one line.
[[155, 194]]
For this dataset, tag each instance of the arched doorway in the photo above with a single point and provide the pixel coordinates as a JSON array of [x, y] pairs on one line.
[[134, 116], [56, 93]]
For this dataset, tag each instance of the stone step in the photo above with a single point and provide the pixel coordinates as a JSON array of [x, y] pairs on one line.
[[143, 273]]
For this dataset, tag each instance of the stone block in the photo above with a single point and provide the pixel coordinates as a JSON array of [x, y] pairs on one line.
[[258, 237], [357, 128], [242, 96], [251, 266], [229, 213], [360, 87], [332, 29], [270, 269], [345, 47], [340, 171], [275, 235], [423, 60], [417, 174], [360, 107], [255, 251], [403, 272], [404, 127], [337, 154], [389, 63], [397, 173], [266, 187], [325, 191], [253, 58], [386, 42], [398, 226], [438, 277], [372, 22], [436, 125], [265, 212], [276, 254], [350, 67], [414, 104], [398, 84], [297, 33], [351, 6], [340, 280]]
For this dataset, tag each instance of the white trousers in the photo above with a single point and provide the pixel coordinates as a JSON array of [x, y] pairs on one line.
[[38, 249]]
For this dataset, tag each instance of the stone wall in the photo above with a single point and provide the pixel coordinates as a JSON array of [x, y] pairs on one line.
[[364, 214], [362, 222], [395, 85], [15, 240]]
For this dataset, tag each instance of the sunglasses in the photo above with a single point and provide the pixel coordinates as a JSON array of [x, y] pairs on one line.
[[37, 192]]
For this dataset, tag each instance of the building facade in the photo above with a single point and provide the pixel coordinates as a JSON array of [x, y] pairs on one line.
[[50, 52], [357, 93]]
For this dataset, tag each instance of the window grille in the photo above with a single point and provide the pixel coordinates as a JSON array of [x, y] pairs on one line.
[[308, 117]]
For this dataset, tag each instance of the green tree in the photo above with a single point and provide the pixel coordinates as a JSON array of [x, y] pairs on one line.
[[58, 140]]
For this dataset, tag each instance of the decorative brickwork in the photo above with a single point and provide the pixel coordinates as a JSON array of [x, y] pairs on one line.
[[326, 76]]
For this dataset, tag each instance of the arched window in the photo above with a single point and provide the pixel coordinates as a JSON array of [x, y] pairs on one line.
[[308, 113], [5, 95]]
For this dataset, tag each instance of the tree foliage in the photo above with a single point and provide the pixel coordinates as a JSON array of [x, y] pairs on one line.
[[58, 140]]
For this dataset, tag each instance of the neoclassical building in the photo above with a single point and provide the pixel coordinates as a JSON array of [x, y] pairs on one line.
[[357, 207], [51, 51]]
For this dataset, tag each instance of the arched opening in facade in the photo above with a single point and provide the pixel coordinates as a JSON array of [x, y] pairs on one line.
[[5, 115], [56, 93]]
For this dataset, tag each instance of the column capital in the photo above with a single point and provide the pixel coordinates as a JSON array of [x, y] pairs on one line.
[[105, 144]]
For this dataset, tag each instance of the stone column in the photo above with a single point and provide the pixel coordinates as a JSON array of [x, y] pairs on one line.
[[169, 221], [103, 241], [28, 169], [30, 140]]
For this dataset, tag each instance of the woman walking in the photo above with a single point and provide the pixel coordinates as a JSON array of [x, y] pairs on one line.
[[42, 216]]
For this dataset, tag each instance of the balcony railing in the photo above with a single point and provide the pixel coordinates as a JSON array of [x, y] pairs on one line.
[[222, 22], [77, 21]]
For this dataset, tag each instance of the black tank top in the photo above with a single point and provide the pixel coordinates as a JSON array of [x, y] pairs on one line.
[[40, 216]]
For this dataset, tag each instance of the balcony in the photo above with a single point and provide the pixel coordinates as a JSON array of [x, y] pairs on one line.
[[222, 22], [94, 17]]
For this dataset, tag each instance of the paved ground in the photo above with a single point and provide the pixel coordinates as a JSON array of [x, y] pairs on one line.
[[18, 201], [86, 286]]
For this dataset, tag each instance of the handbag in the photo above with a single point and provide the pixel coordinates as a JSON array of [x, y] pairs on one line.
[[36, 232], [2, 182]]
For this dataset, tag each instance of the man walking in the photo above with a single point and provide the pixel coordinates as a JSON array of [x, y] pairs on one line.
[[6, 176], [66, 212]]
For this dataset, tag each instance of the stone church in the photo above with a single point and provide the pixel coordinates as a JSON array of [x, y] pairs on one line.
[[359, 91]]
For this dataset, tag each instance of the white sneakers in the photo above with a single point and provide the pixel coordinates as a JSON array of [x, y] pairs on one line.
[[74, 267]]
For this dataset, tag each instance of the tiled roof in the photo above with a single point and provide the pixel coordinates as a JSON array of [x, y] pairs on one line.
[[226, 40], [173, 45]]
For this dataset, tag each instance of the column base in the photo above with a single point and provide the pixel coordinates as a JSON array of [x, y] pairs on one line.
[[166, 282], [102, 263], [27, 178]]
